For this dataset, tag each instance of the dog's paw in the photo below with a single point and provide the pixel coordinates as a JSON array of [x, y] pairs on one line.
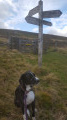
[[28, 112], [33, 118], [36, 110], [24, 117]]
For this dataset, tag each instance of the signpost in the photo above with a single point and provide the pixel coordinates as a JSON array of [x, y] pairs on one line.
[[40, 22]]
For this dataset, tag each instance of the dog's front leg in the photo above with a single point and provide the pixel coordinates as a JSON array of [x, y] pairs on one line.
[[33, 110], [24, 116]]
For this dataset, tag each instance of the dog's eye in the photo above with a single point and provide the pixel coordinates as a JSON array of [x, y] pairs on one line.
[[32, 78]]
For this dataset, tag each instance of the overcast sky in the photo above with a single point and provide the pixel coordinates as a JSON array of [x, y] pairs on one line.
[[13, 13]]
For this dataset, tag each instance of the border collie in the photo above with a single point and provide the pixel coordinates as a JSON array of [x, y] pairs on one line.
[[27, 81]]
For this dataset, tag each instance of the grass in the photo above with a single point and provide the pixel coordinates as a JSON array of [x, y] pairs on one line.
[[51, 92]]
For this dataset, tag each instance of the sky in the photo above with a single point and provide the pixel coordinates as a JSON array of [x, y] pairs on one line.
[[13, 13]]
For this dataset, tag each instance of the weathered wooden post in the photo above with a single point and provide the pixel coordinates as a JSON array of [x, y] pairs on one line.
[[40, 40], [40, 22]]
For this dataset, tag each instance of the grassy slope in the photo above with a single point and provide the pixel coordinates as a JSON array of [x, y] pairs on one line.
[[50, 93]]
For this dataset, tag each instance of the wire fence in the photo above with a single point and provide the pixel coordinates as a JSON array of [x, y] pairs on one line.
[[30, 45]]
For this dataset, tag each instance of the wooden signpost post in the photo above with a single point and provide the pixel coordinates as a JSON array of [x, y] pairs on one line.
[[40, 22]]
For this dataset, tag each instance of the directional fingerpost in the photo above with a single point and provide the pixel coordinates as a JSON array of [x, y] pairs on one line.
[[52, 14], [32, 20], [35, 21], [40, 22], [34, 11]]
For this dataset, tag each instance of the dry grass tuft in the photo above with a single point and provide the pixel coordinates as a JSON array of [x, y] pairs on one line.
[[40, 71], [45, 101], [62, 50], [51, 79]]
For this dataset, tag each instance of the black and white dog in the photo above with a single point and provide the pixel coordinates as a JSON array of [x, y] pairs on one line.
[[27, 80]]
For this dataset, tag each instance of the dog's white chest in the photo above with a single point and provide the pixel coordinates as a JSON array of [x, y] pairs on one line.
[[30, 97]]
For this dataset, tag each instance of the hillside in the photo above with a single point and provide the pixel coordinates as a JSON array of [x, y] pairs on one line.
[[8, 32], [51, 92], [48, 40]]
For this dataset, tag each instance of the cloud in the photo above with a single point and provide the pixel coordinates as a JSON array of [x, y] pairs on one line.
[[5, 25], [35, 30], [14, 12], [8, 10], [53, 30], [61, 21], [5, 10], [54, 4], [57, 31], [59, 26]]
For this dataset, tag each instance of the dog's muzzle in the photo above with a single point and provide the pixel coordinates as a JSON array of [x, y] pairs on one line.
[[36, 80]]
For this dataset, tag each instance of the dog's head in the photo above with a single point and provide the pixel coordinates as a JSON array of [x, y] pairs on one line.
[[28, 78]]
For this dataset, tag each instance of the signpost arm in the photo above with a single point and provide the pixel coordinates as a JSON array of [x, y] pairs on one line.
[[40, 40]]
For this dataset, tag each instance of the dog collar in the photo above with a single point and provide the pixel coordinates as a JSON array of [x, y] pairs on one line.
[[26, 91]]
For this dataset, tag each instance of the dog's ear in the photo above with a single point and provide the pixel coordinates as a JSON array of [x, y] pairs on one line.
[[22, 81]]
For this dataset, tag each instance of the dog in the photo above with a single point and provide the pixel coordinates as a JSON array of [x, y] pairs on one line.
[[27, 81]]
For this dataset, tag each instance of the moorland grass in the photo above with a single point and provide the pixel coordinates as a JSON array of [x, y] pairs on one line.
[[51, 92]]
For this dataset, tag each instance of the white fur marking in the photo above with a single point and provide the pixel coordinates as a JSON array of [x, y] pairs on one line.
[[30, 97], [37, 78], [28, 112], [24, 117], [33, 118], [28, 87]]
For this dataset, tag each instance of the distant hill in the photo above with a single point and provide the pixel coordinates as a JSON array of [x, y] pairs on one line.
[[48, 40], [8, 32]]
